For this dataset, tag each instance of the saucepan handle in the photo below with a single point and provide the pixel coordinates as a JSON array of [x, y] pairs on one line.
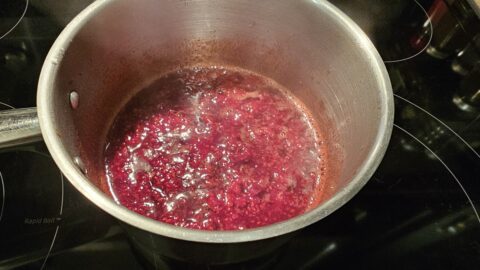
[[18, 127]]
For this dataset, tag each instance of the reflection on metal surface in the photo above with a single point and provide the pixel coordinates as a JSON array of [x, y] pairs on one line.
[[63, 194], [3, 196], [331, 247], [446, 167], [475, 4], [427, 22], [19, 19], [6, 105], [74, 99], [19, 127]]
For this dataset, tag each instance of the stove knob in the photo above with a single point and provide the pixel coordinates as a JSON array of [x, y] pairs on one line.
[[468, 96], [466, 59], [454, 24]]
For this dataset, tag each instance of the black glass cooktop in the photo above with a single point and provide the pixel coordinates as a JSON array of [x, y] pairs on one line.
[[419, 210]]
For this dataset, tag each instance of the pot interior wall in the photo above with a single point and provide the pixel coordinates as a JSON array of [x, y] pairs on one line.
[[130, 43]]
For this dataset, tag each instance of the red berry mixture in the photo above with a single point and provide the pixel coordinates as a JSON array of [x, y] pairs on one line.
[[213, 148]]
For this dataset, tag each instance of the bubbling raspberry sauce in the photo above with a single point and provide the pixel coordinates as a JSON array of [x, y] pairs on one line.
[[214, 148]]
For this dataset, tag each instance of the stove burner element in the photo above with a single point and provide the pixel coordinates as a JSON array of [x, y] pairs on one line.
[[408, 16], [32, 205], [427, 30], [441, 122], [469, 199], [14, 11], [58, 226]]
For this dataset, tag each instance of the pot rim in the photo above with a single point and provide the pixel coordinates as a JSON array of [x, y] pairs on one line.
[[66, 164]]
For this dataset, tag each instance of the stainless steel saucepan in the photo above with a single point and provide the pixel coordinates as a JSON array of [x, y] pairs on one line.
[[114, 47]]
